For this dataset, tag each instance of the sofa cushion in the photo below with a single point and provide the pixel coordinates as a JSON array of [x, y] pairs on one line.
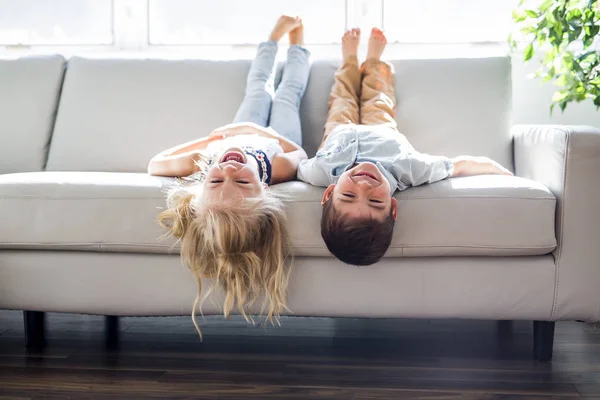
[[29, 91], [482, 215], [487, 215], [115, 115]]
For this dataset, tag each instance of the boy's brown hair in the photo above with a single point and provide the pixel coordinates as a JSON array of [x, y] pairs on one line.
[[355, 242]]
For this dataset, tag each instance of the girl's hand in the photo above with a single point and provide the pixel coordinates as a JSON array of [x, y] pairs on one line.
[[223, 131], [246, 128], [268, 132]]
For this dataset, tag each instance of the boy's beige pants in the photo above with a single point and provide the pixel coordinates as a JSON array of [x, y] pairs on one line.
[[370, 101]]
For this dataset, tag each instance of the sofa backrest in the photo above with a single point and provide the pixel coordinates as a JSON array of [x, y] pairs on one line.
[[116, 114], [29, 91]]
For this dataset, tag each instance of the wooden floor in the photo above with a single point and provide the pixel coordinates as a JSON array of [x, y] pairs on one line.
[[306, 358]]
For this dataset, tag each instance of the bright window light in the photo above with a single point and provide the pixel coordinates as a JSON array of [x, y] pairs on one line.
[[448, 21], [174, 26], [180, 22], [56, 22]]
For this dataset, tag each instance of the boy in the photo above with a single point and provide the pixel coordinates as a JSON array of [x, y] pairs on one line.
[[363, 165]]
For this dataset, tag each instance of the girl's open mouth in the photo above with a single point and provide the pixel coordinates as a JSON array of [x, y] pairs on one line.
[[233, 156]]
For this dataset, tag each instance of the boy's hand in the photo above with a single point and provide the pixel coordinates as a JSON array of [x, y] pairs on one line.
[[469, 166]]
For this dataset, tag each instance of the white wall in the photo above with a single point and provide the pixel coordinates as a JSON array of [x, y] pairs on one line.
[[532, 99]]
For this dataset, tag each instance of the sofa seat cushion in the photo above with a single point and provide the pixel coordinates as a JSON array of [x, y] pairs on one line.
[[102, 211], [481, 215], [96, 211]]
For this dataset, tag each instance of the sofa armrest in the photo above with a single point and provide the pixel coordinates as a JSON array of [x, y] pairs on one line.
[[567, 160]]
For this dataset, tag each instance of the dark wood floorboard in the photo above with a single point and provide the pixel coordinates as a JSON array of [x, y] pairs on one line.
[[306, 358]]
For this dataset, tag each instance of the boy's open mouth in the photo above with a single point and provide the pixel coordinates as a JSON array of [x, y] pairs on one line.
[[367, 174]]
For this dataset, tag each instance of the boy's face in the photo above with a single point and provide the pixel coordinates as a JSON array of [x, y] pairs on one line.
[[362, 192]]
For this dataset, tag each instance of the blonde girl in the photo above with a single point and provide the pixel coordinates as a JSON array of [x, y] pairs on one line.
[[231, 228]]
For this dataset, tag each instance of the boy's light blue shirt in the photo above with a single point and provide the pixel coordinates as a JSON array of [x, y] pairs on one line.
[[381, 145]]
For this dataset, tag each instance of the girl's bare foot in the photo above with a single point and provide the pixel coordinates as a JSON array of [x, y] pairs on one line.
[[377, 43], [350, 42], [297, 35], [285, 24]]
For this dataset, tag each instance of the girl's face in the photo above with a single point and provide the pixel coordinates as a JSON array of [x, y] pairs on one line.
[[232, 178]]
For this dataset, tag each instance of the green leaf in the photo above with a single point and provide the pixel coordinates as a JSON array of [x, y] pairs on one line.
[[559, 96], [528, 52], [574, 33], [577, 67], [561, 81], [550, 56], [550, 75], [568, 57], [563, 106], [529, 29], [545, 5], [518, 16], [555, 37], [531, 14], [573, 14], [558, 28], [583, 56]]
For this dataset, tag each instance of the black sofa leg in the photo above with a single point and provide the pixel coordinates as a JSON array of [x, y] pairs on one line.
[[111, 332], [35, 330], [543, 340]]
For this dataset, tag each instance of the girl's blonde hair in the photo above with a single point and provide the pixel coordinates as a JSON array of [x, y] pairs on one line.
[[244, 247]]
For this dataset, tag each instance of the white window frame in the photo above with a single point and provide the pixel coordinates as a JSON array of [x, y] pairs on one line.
[[130, 29]]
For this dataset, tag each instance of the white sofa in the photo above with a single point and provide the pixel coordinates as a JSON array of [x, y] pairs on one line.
[[77, 211]]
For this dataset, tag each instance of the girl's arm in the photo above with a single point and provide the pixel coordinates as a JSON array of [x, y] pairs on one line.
[[285, 165], [179, 160], [251, 128]]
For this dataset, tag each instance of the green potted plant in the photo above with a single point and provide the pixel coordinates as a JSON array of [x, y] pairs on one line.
[[565, 36]]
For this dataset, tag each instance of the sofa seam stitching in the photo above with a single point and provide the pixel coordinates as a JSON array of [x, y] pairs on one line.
[[452, 197], [446, 246], [76, 198], [34, 197], [147, 244]]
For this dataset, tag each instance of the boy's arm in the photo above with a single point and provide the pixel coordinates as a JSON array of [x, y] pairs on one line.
[[310, 171], [418, 169], [469, 166]]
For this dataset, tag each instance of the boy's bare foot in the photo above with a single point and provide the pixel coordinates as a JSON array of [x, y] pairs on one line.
[[285, 24], [377, 43], [297, 35], [350, 42]]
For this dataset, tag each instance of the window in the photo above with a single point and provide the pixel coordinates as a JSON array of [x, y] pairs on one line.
[[56, 22], [171, 25], [175, 22], [448, 21]]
